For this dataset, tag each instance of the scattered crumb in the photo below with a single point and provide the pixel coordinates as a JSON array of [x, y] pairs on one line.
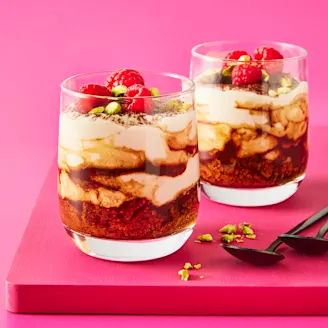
[[197, 241], [197, 266], [184, 274], [229, 229], [207, 237], [251, 236], [201, 277], [187, 266]]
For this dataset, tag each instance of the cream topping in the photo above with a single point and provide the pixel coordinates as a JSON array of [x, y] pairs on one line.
[[232, 106]]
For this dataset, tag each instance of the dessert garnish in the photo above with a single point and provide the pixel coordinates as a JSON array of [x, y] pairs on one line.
[[84, 105], [197, 266], [229, 229], [154, 92], [184, 274], [269, 54], [119, 91], [246, 74], [97, 110], [113, 108], [205, 238], [187, 266], [126, 77]]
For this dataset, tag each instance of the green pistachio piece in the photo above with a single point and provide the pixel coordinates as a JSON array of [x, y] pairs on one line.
[[174, 105], [186, 106], [228, 238], [97, 110], [244, 58], [252, 236], [272, 93], [184, 274], [265, 76], [119, 90], [228, 70], [154, 92], [286, 82], [197, 266], [187, 266], [283, 90], [113, 108], [247, 230], [206, 237], [229, 229]]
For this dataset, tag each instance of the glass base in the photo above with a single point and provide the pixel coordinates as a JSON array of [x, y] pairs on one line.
[[250, 197], [129, 251]]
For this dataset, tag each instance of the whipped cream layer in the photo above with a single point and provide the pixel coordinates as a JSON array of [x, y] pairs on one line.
[[238, 107], [120, 142], [157, 189]]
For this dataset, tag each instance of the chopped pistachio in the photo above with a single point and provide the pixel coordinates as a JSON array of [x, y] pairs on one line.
[[228, 70], [201, 277], [252, 236], [119, 90], [154, 92], [174, 105], [197, 266], [244, 58], [113, 108], [186, 106], [206, 237], [285, 82], [283, 90], [184, 274], [228, 238], [187, 266], [244, 224], [272, 93], [97, 110], [247, 230], [265, 76], [229, 229]]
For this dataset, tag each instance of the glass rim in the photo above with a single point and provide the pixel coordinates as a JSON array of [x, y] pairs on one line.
[[78, 94], [195, 53]]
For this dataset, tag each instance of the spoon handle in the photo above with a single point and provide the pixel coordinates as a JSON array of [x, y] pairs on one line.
[[323, 231], [301, 227]]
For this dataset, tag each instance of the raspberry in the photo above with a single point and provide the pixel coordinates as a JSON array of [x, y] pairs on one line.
[[246, 74], [139, 104], [267, 53], [234, 55], [126, 77], [84, 105]]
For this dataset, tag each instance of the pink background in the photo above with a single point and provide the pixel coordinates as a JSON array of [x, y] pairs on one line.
[[43, 42]]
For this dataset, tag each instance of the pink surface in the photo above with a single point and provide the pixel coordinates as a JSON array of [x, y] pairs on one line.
[[74, 283], [43, 42]]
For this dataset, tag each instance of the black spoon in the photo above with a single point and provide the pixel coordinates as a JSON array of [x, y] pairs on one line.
[[308, 245], [269, 256]]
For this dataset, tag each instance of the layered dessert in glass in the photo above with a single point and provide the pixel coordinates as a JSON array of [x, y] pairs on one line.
[[128, 163], [252, 112]]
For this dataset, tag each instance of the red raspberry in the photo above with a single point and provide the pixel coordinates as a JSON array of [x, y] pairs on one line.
[[126, 77], [84, 105], [246, 74], [234, 55], [267, 53], [139, 105]]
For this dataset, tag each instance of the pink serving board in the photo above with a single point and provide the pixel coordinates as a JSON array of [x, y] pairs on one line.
[[50, 275]]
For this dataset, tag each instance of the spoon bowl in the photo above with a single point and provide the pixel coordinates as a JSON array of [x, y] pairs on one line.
[[253, 256], [306, 245]]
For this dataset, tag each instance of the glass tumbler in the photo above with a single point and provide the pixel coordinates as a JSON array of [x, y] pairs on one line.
[[128, 167], [251, 100]]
